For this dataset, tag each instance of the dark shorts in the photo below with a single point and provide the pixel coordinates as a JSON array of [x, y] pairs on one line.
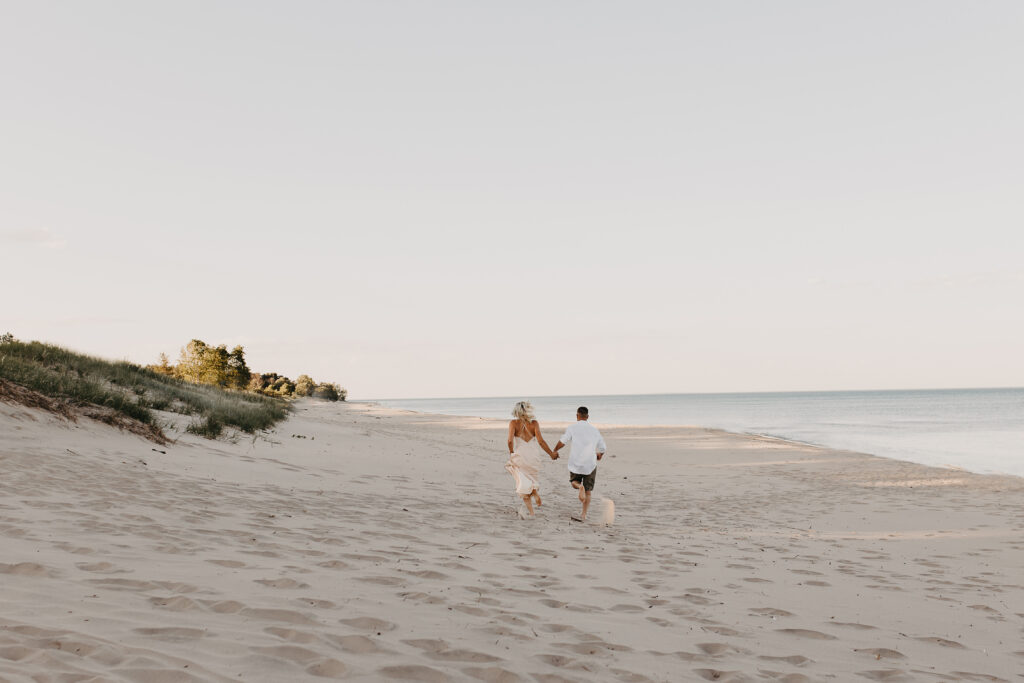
[[587, 479]]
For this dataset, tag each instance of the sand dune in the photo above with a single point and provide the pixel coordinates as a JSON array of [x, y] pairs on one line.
[[368, 544]]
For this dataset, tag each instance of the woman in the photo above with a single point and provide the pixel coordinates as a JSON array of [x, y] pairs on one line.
[[524, 455]]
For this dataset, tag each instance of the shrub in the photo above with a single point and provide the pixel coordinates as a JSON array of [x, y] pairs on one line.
[[304, 386], [211, 427], [331, 392]]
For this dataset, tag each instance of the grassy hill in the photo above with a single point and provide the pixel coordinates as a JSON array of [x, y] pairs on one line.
[[124, 394]]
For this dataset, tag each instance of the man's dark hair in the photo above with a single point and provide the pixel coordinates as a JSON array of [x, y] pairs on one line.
[[582, 411]]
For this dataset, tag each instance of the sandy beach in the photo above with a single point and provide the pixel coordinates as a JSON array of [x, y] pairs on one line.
[[364, 543]]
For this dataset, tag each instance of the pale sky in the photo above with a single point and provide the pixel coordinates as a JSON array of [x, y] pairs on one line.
[[432, 199]]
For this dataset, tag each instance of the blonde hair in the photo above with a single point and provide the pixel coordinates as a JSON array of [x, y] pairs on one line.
[[524, 411]]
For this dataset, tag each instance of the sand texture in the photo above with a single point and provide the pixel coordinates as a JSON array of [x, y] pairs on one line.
[[370, 544]]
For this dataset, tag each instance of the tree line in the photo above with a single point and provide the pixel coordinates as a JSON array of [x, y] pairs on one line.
[[203, 363]]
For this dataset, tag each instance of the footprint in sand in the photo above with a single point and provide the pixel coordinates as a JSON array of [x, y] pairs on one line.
[[99, 567], [126, 584], [233, 564], [224, 606], [369, 624], [851, 624], [413, 672], [770, 612], [721, 630], [360, 645], [177, 603], [593, 648], [284, 615], [315, 602], [382, 580], [282, 583], [17, 653], [173, 634], [291, 653], [784, 677], [795, 660], [943, 642], [291, 635], [622, 607], [881, 653], [887, 675], [427, 574], [327, 668], [26, 569], [806, 633], [715, 649], [716, 675], [996, 614], [333, 564], [560, 661], [492, 674]]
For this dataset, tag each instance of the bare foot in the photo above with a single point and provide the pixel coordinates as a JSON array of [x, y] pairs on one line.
[[523, 513], [577, 518]]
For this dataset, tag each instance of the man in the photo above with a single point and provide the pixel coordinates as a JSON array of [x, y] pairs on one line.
[[587, 448]]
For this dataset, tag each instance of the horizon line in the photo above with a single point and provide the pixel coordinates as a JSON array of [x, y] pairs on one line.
[[692, 393]]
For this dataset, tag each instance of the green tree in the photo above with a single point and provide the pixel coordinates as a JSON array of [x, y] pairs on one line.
[[163, 366], [203, 364], [304, 386], [238, 373]]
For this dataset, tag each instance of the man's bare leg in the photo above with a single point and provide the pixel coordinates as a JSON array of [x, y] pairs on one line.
[[583, 492], [585, 499]]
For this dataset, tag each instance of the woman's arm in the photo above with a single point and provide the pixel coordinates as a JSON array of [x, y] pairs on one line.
[[511, 434], [540, 439]]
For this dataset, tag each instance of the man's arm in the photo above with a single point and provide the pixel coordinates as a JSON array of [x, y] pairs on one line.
[[554, 452], [601, 447]]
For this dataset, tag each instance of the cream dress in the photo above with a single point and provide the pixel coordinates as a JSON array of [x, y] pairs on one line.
[[524, 465]]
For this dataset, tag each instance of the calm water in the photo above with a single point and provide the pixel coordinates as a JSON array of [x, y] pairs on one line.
[[981, 430]]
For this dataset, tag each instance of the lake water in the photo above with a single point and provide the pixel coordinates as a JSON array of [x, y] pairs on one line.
[[980, 430]]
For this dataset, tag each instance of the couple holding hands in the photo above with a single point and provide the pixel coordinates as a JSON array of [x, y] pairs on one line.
[[525, 443]]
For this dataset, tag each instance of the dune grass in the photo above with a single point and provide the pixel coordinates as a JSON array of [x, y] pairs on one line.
[[134, 391]]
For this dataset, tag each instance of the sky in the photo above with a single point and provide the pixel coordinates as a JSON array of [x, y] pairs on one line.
[[522, 198]]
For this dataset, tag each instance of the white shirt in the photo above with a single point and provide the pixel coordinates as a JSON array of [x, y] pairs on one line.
[[584, 442]]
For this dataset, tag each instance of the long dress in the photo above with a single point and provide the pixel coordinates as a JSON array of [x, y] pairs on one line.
[[524, 466]]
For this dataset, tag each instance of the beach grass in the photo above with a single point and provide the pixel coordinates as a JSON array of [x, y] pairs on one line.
[[133, 391]]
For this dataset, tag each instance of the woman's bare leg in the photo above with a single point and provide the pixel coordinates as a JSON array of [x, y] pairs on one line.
[[529, 504], [536, 497]]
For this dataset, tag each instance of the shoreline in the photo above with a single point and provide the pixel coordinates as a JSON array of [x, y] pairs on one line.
[[371, 543], [752, 435]]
